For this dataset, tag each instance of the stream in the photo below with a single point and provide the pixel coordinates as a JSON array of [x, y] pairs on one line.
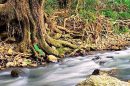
[[70, 71]]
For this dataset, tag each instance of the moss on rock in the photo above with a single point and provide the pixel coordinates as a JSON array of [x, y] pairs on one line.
[[103, 80]]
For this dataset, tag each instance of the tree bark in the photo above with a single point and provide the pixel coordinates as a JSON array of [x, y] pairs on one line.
[[26, 18], [30, 13]]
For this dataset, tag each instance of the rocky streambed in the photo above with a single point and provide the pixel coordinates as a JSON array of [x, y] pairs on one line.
[[71, 71]]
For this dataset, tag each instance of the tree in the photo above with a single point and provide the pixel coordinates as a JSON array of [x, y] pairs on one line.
[[28, 16]]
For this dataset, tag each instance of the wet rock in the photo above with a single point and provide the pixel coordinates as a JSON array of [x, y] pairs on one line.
[[15, 73], [96, 58], [110, 57], [111, 72], [96, 72], [102, 62], [103, 80]]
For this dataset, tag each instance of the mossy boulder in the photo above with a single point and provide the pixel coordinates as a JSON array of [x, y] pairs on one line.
[[103, 80], [16, 72]]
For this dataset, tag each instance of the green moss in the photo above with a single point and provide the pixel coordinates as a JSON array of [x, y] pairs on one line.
[[63, 50]]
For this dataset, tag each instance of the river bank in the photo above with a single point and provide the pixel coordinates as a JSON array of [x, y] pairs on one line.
[[71, 71], [10, 58], [45, 43]]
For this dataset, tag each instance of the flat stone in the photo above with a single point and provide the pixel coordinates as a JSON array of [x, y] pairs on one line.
[[103, 80]]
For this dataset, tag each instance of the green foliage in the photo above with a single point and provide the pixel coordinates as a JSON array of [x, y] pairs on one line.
[[74, 4], [120, 30], [116, 15], [88, 14], [110, 14], [87, 10], [38, 50], [90, 4], [127, 2], [124, 15], [50, 6], [114, 9]]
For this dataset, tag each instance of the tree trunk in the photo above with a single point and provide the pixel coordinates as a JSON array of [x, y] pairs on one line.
[[29, 14], [25, 21]]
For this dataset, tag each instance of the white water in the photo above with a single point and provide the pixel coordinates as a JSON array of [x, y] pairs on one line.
[[70, 71]]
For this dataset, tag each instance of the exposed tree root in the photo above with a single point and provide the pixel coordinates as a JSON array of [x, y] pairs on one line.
[[33, 31], [29, 19], [60, 43]]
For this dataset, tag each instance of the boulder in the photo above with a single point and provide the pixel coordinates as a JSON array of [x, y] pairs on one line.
[[52, 58], [15, 73], [103, 80], [110, 72]]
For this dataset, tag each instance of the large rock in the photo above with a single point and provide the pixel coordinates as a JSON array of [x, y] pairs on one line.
[[110, 72], [52, 58], [103, 80], [17, 72]]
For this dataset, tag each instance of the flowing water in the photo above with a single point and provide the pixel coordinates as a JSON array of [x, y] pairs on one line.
[[70, 71]]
